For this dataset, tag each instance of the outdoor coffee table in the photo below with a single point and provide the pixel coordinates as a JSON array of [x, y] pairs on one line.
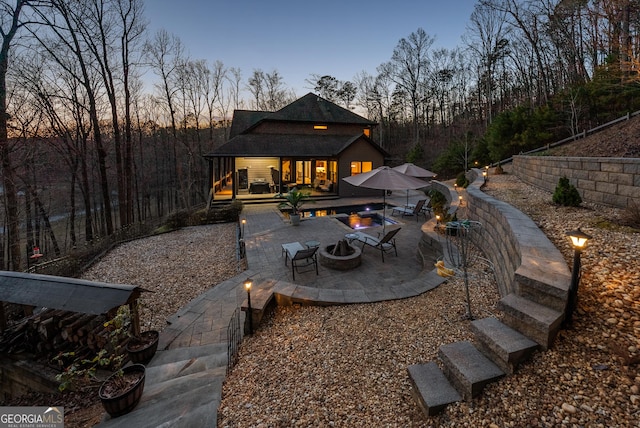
[[312, 244]]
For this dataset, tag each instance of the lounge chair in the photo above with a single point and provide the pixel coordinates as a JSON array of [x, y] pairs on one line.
[[416, 210], [300, 256], [384, 244]]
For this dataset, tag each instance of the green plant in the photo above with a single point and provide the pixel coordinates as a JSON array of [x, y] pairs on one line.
[[294, 200], [566, 194], [462, 180], [438, 202], [107, 358]]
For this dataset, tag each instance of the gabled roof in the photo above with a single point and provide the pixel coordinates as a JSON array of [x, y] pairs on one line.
[[69, 294], [312, 108], [309, 109], [304, 145], [245, 119]]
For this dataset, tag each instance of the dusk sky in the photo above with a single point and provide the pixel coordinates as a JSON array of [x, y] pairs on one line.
[[298, 38]]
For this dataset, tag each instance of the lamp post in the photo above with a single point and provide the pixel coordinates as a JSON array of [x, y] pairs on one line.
[[247, 285], [484, 175], [244, 221], [579, 242]]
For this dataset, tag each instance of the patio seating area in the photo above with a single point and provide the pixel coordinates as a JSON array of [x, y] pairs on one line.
[[269, 237]]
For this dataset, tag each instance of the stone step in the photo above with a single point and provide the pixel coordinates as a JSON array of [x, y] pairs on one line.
[[505, 346], [187, 401], [532, 319], [547, 286], [430, 388], [467, 368], [161, 373], [186, 353]]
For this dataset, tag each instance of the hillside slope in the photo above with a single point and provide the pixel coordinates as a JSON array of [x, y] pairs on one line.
[[621, 140]]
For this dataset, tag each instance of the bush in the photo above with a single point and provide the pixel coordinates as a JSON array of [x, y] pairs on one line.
[[566, 194], [438, 202], [462, 180], [224, 214], [631, 215]]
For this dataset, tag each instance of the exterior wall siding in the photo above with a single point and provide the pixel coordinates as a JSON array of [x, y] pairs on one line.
[[358, 151], [307, 129]]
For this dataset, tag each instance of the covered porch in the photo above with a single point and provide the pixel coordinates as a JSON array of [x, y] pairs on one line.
[[259, 178]]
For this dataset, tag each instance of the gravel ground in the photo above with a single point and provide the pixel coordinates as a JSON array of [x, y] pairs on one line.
[[346, 366], [175, 268]]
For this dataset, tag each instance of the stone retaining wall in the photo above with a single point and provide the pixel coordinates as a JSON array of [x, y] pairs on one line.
[[608, 181], [518, 250]]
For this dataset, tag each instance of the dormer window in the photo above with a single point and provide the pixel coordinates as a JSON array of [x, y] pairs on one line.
[[320, 127]]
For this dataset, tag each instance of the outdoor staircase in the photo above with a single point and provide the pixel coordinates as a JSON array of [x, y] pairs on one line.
[[182, 389], [500, 346]]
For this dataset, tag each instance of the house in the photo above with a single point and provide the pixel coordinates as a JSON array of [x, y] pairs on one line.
[[310, 143]]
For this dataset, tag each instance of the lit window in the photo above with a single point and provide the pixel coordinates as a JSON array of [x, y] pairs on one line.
[[367, 132], [322, 127], [358, 167]]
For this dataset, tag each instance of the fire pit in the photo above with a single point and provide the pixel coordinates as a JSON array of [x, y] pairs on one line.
[[340, 256]]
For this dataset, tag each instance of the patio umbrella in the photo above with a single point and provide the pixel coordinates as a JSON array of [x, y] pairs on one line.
[[385, 178], [414, 171]]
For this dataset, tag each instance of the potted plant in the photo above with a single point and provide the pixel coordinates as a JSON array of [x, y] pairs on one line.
[[294, 200], [143, 347], [121, 391]]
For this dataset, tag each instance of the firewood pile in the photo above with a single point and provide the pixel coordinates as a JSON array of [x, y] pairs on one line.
[[51, 332]]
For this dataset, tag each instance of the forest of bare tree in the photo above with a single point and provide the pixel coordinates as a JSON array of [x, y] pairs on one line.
[[87, 148]]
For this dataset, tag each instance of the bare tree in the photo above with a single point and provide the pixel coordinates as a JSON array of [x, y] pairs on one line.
[[166, 55], [487, 38], [256, 85], [62, 38], [409, 68], [9, 25]]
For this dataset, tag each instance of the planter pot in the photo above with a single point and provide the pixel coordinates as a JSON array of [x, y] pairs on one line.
[[142, 349], [295, 219], [121, 392]]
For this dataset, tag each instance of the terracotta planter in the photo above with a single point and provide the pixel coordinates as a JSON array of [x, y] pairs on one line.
[[118, 400], [142, 349]]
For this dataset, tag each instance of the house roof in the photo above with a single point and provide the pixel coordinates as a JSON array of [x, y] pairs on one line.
[[311, 108], [304, 145], [68, 294]]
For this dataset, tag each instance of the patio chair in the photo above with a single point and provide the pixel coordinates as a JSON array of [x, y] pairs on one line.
[[416, 210], [387, 243], [303, 258]]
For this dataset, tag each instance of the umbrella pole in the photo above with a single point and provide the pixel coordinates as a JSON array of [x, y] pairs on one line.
[[407, 197], [384, 211]]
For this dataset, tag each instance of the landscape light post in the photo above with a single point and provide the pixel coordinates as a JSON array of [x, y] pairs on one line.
[[244, 221], [247, 285], [579, 242], [484, 176]]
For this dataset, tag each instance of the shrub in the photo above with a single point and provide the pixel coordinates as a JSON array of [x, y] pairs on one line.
[[631, 215], [566, 194], [223, 214], [438, 202], [462, 180]]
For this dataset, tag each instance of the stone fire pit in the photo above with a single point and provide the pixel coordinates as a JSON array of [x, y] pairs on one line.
[[340, 256]]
